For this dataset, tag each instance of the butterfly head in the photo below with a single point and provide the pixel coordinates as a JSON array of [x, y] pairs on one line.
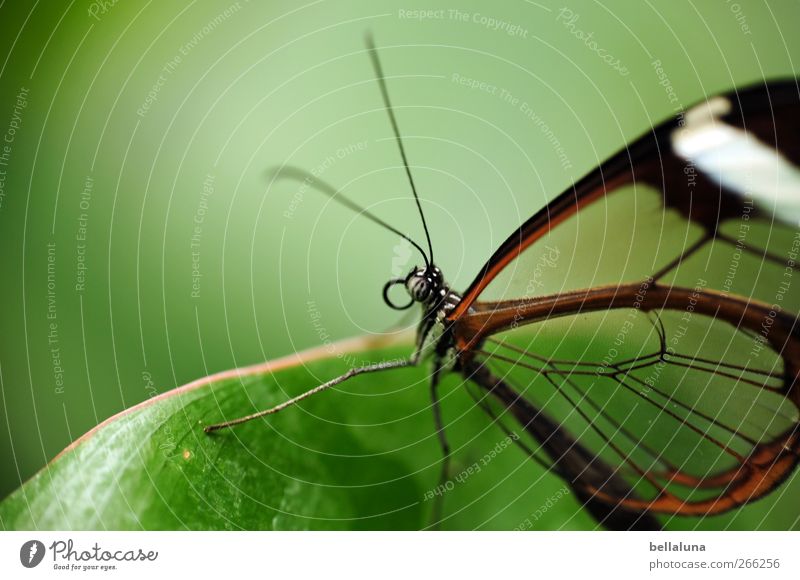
[[424, 286]]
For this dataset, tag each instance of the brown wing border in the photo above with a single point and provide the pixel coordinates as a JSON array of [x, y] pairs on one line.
[[770, 463], [651, 157]]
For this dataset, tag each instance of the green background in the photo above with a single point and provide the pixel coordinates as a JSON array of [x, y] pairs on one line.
[[262, 84]]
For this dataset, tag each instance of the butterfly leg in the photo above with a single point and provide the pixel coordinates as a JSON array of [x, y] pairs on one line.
[[377, 367], [438, 503]]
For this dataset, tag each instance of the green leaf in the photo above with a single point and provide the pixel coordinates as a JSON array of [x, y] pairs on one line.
[[153, 467], [361, 456]]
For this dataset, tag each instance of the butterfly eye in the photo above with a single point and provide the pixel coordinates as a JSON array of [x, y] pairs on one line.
[[419, 287]]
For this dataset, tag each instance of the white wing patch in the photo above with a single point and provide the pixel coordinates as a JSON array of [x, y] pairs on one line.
[[738, 161]]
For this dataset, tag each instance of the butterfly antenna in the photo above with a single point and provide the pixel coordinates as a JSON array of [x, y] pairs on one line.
[[376, 64], [306, 177]]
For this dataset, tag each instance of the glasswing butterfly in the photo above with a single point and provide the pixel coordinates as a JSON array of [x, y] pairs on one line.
[[641, 327]]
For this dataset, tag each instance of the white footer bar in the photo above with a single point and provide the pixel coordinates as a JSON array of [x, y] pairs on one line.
[[390, 555]]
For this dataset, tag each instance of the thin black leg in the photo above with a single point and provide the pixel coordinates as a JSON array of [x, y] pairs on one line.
[[374, 368], [438, 502]]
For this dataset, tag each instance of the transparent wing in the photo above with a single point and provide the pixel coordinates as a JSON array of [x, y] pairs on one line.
[[691, 412], [725, 172], [642, 328]]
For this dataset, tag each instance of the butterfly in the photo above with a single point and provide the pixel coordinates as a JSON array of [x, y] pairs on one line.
[[639, 331]]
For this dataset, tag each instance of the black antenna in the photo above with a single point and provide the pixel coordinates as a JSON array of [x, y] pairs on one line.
[[384, 91], [295, 173]]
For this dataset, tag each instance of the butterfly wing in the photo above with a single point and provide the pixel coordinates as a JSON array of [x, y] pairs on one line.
[[642, 327], [670, 179]]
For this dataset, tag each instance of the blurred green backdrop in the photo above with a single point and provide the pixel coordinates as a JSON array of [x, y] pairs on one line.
[[143, 242]]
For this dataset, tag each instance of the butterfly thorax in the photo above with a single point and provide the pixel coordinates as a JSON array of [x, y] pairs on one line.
[[427, 287]]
